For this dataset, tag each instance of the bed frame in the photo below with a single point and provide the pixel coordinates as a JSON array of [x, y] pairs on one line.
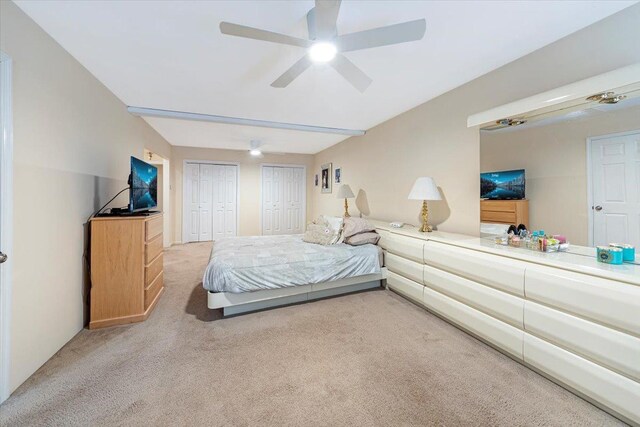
[[231, 303]]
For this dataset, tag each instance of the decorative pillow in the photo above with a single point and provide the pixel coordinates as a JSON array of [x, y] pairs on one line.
[[363, 238], [321, 234], [353, 226], [335, 222]]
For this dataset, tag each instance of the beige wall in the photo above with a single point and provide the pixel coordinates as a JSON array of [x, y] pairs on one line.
[[72, 142], [433, 140], [249, 184], [555, 160]]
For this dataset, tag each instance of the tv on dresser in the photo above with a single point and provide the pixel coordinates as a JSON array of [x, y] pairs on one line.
[[503, 185]]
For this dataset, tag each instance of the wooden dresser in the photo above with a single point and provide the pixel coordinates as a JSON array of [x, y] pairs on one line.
[[126, 269], [512, 212]]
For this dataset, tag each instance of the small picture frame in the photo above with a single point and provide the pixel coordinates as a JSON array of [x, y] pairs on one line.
[[338, 175], [325, 178], [316, 181]]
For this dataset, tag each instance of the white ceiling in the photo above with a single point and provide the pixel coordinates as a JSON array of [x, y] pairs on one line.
[[171, 55]]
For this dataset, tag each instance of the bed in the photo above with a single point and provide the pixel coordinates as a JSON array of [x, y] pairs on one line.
[[252, 273]]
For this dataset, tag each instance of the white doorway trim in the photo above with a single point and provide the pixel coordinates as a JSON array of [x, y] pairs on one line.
[[590, 205], [184, 191], [304, 193], [6, 220]]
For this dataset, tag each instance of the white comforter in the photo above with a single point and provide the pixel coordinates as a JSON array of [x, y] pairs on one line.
[[245, 264]]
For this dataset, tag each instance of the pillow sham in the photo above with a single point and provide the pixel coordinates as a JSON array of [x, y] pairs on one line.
[[336, 223], [363, 239], [320, 234], [353, 226]]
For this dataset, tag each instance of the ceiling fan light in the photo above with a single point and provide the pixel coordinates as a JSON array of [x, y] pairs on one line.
[[322, 52], [255, 152]]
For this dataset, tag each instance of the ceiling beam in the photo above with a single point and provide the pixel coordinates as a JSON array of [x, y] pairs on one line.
[[182, 115]]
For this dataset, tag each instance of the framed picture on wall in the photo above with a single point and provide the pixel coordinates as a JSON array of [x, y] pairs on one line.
[[325, 177], [338, 173], [316, 181]]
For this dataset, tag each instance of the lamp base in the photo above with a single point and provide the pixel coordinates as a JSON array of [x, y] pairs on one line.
[[346, 209], [426, 228]]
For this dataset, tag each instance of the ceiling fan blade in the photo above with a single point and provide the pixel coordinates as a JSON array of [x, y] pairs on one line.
[[350, 72], [326, 15], [293, 72], [382, 36], [264, 35]]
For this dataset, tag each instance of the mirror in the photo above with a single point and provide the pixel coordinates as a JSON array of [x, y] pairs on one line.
[[582, 169]]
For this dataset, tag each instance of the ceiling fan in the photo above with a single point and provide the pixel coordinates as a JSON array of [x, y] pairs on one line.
[[326, 46]]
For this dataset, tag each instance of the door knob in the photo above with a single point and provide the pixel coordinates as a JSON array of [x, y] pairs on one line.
[[3, 257], [598, 208]]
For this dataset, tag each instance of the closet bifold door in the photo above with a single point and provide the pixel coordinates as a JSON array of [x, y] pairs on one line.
[[293, 199], [192, 197], [224, 201], [267, 201], [272, 200], [207, 179], [230, 205]]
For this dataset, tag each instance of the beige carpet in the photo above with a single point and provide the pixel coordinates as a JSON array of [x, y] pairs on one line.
[[370, 358]]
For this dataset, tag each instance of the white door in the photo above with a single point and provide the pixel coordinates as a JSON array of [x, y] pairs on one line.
[[210, 201], [267, 200], [6, 197], [293, 196], [205, 204], [282, 200], [230, 204], [277, 188], [192, 202], [615, 169]]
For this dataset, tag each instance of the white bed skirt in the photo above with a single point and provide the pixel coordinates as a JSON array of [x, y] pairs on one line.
[[236, 303]]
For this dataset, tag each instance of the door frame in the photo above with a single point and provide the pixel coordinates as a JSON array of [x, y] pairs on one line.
[[184, 191], [6, 220], [304, 186], [589, 145]]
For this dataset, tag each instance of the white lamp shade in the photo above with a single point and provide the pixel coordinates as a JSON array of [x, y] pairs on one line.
[[425, 188], [344, 192]]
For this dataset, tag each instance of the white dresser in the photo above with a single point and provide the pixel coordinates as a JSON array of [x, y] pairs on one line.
[[565, 315]]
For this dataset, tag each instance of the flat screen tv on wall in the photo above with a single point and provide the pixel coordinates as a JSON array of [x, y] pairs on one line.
[[143, 194], [503, 185]]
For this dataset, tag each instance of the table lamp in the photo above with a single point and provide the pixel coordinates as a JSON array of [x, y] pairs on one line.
[[344, 192], [425, 189]]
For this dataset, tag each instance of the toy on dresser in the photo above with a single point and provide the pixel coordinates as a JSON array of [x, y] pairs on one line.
[[520, 237], [616, 253]]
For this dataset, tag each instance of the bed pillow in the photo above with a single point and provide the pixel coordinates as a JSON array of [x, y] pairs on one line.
[[353, 226], [336, 223], [363, 239], [326, 230]]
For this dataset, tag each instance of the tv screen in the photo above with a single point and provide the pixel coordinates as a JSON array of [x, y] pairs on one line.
[[502, 185], [143, 194]]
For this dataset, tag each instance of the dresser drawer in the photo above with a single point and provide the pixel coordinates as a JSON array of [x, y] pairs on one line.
[[153, 227], [152, 249], [603, 301], [490, 329], [607, 347], [498, 304], [406, 287], [500, 217], [404, 267], [406, 247], [499, 272], [152, 270], [151, 291], [498, 205], [614, 391]]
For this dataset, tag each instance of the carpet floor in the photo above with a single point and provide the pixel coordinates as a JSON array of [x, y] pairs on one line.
[[370, 358]]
